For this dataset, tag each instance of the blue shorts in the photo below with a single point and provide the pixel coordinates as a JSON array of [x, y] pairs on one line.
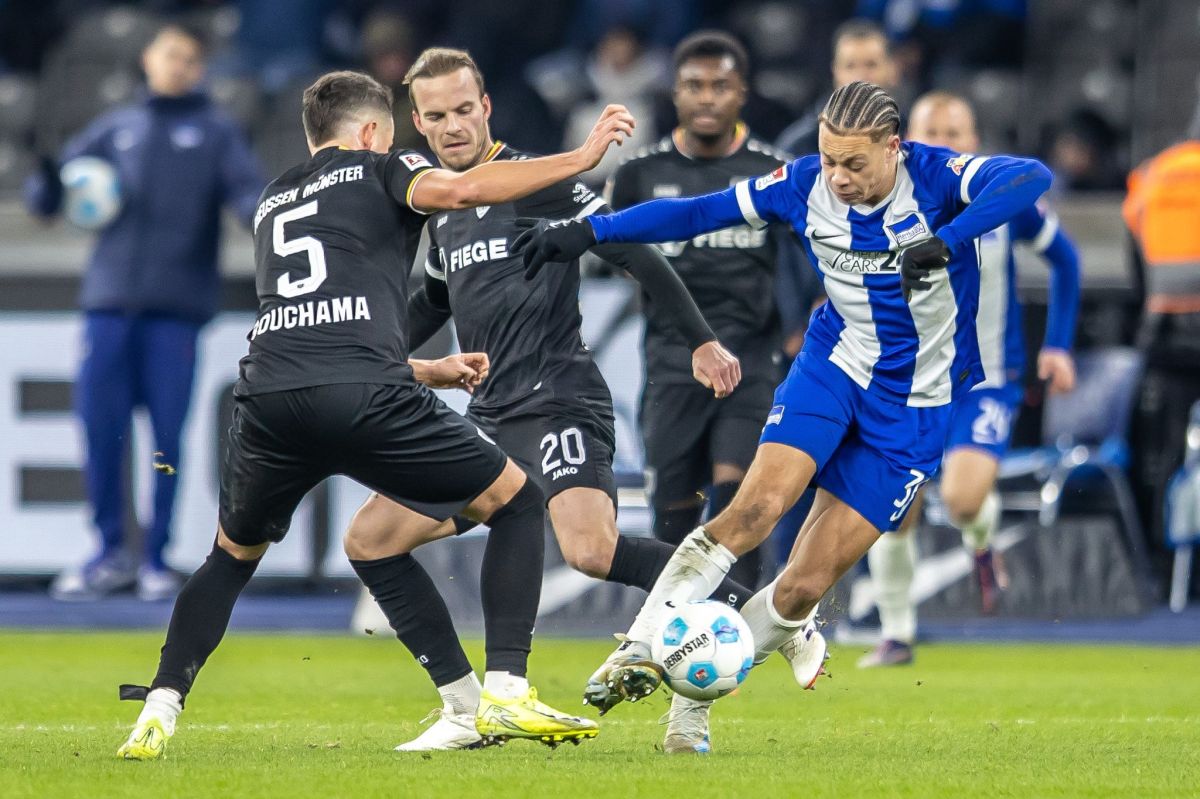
[[983, 419], [871, 454]]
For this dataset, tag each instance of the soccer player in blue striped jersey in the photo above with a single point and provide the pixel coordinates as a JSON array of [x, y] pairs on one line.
[[982, 420], [890, 227]]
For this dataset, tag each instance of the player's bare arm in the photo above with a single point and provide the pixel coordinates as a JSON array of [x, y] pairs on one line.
[[504, 181]]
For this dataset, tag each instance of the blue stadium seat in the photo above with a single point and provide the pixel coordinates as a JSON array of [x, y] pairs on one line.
[[1085, 444], [1183, 514]]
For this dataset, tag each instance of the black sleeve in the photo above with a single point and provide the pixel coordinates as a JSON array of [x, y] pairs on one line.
[[621, 189], [401, 171], [428, 306], [566, 199], [649, 268]]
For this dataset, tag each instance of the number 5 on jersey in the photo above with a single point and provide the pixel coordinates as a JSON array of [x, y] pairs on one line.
[[285, 286]]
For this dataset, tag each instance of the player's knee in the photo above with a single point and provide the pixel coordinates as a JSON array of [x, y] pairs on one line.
[[371, 526], [962, 505], [586, 556]]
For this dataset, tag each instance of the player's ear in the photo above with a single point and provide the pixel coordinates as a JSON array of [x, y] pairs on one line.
[[417, 121], [368, 132], [486, 102]]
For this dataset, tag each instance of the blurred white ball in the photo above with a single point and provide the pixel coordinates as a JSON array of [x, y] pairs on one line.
[[92, 193]]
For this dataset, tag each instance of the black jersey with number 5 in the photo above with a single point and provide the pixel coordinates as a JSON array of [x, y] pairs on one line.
[[334, 242]]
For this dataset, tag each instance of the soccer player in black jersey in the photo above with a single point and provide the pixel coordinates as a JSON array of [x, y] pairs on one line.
[[544, 401], [328, 388], [698, 447]]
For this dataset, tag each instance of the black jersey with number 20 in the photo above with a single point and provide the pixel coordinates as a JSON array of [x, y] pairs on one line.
[[334, 242]]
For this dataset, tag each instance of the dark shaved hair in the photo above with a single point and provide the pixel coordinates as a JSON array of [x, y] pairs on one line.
[[338, 96], [713, 44]]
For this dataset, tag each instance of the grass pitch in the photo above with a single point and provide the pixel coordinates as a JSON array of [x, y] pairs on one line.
[[291, 716]]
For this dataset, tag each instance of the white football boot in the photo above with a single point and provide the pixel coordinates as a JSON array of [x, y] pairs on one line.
[[449, 731], [806, 652], [687, 727]]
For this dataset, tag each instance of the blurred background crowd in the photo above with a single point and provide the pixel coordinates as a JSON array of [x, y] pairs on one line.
[[1034, 71]]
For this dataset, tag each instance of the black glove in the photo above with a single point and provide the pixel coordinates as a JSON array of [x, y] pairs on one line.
[[918, 261], [544, 240]]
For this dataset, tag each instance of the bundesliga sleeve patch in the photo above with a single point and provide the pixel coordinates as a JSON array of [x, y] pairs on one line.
[[414, 161], [766, 180], [958, 163]]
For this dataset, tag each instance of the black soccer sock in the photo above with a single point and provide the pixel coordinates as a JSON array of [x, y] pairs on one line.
[[510, 579], [672, 524], [748, 569], [638, 562], [416, 611], [200, 618]]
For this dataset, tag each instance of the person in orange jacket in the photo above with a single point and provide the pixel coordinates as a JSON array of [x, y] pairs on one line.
[[1162, 210]]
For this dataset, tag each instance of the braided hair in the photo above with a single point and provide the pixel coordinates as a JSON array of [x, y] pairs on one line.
[[861, 107]]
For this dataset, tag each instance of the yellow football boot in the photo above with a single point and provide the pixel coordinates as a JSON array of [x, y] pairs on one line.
[[499, 720], [148, 741]]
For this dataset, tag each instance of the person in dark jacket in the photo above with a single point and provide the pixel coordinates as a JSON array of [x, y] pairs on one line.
[[149, 287]]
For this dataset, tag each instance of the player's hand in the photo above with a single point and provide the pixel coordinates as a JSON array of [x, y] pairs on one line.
[[717, 368], [917, 261], [614, 125], [464, 370], [544, 240], [1057, 368]]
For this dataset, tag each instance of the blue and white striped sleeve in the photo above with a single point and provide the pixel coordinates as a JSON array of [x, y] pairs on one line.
[[765, 199], [1039, 227]]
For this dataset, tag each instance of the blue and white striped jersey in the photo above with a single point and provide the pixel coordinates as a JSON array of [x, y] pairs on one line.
[[1001, 337], [923, 352]]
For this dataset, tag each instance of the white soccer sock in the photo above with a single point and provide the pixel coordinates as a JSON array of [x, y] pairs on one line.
[[769, 628], [977, 533], [164, 704], [893, 560], [462, 695], [504, 685], [693, 572]]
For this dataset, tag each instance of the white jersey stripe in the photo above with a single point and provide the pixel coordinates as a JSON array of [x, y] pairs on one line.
[[1045, 236], [933, 311], [993, 304], [828, 229], [968, 173], [746, 205]]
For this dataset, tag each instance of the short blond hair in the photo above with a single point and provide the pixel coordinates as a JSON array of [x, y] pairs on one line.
[[437, 61]]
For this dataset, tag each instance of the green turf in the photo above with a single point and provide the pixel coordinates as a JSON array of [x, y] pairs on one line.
[[318, 716]]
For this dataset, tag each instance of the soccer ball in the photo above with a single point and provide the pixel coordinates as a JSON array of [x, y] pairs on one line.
[[93, 195], [705, 648]]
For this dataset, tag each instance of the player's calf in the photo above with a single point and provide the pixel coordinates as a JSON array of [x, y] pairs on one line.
[[585, 525]]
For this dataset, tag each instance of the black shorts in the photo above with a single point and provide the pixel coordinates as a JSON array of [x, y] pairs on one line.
[[560, 446], [398, 440], [685, 430]]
